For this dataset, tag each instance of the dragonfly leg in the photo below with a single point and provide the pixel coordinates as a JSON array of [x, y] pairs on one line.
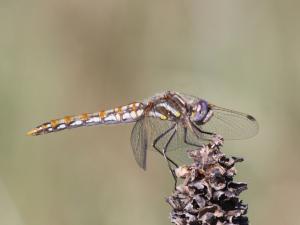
[[166, 157], [202, 131], [186, 140], [158, 150]]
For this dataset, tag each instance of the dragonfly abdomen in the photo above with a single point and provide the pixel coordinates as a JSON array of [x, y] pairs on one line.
[[124, 114]]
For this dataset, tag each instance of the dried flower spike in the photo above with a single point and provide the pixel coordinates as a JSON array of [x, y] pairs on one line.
[[208, 194]]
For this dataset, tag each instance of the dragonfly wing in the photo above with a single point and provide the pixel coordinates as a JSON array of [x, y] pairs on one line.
[[139, 143], [149, 129], [146, 131], [230, 124], [176, 150], [177, 147]]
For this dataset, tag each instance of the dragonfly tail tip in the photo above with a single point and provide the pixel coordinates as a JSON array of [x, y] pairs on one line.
[[31, 132]]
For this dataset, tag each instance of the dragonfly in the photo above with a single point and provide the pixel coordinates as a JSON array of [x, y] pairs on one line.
[[164, 122]]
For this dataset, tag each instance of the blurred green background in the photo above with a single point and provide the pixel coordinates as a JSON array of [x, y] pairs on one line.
[[61, 57]]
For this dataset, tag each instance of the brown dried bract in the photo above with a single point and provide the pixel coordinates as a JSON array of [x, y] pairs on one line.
[[208, 195]]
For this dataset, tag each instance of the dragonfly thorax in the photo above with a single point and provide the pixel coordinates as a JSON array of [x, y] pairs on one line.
[[201, 112]]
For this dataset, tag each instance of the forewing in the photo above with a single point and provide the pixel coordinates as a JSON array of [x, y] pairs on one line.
[[139, 142], [230, 124]]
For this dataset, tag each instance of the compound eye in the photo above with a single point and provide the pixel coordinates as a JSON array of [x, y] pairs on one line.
[[201, 111]]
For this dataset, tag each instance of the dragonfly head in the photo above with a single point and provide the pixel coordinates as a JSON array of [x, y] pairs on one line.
[[201, 112]]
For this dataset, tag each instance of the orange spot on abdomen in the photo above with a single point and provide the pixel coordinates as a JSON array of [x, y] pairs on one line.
[[68, 119], [102, 114], [134, 106], [84, 116], [53, 123]]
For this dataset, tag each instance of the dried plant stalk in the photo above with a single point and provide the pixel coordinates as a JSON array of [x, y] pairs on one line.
[[208, 194]]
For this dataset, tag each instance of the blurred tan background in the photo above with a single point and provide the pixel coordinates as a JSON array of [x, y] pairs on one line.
[[61, 57]]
